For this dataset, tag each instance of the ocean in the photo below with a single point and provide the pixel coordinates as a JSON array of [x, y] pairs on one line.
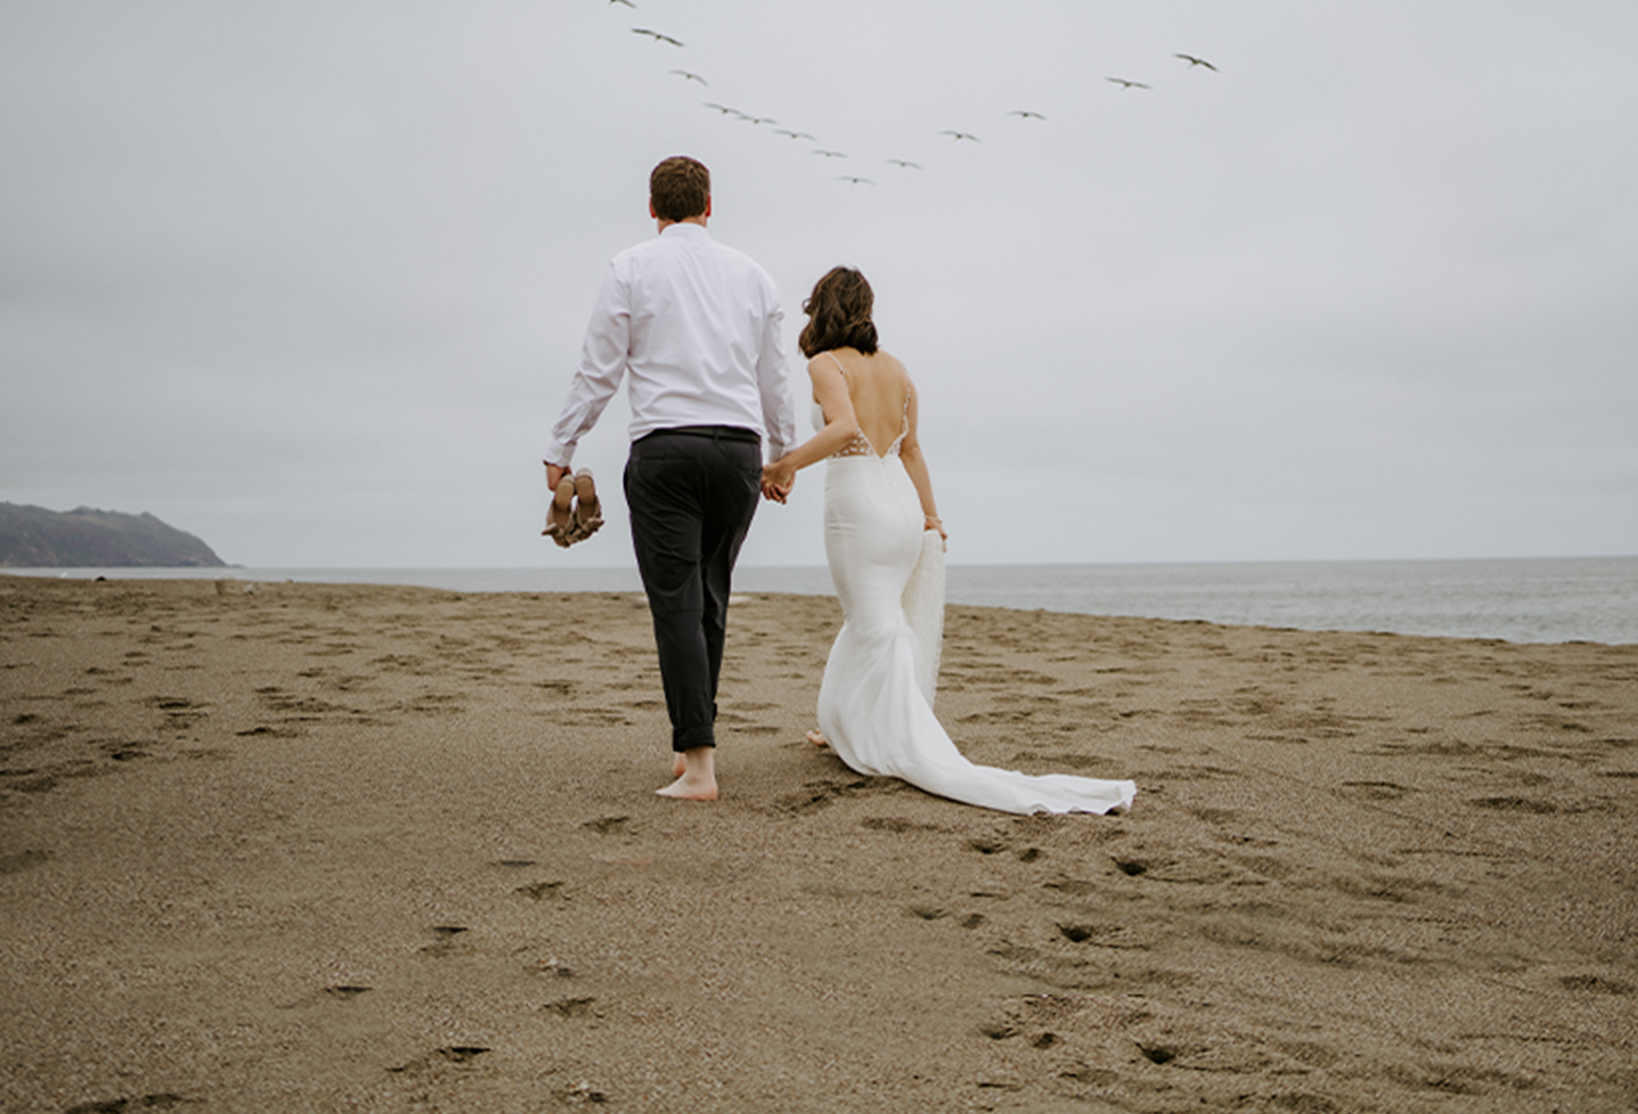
[[1559, 599]]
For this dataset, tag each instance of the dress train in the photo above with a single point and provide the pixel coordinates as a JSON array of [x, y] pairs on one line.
[[875, 702]]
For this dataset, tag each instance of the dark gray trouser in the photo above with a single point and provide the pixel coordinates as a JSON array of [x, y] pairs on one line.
[[691, 495]]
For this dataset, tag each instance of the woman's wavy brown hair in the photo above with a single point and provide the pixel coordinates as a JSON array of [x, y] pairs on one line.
[[839, 314]]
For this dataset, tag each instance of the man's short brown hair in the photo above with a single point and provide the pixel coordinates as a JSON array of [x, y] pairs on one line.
[[679, 188]]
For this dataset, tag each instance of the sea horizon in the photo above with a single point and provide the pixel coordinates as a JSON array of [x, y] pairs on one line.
[[1518, 599]]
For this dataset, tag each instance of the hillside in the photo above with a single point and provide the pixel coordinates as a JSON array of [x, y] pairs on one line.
[[33, 537]]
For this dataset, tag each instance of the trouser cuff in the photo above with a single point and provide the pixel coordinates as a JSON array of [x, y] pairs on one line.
[[687, 738]]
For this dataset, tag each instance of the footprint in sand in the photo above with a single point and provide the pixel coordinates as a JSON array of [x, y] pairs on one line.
[[1118, 937], [1514, 804], [571, 1007], [582, 1092], [1594, 984], [450, 1054], [897, 824], [262, 729], [461, 1053], [23, 860], [445, 944], [1374, 790], [819, 794], [162, 1101], [346, 993], [1074, 887], [1157, 1054]]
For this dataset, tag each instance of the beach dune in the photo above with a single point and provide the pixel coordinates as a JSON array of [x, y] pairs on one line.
[[308, 847]]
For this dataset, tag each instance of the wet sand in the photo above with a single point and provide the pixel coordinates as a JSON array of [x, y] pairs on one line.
[[308, 847]]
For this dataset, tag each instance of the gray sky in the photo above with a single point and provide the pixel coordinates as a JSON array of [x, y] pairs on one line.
[[309, 279]]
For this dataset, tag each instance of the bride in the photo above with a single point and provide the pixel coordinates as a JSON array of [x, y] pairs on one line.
[[884, 541]]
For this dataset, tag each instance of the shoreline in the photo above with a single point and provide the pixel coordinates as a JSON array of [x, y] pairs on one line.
[[1538, 602], [367, 847]]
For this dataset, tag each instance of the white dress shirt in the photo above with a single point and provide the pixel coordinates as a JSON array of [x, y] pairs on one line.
[[698, 327]]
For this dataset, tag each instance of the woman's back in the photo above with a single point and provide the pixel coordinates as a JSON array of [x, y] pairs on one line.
[[879, 388]]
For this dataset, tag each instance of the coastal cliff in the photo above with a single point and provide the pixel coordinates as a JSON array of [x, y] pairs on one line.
[[33, 537]]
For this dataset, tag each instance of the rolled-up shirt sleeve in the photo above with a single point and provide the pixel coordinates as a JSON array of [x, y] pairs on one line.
[[773, 383], [603, 360]]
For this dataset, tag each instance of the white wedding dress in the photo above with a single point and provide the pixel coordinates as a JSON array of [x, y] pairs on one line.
[[876, 700]]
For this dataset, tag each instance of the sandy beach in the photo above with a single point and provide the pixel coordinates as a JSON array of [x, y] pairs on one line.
[[291, 847]]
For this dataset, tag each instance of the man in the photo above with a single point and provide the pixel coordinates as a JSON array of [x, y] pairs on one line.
[[698, 328]]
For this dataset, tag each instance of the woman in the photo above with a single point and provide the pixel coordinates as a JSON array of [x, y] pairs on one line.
[[875, 703]]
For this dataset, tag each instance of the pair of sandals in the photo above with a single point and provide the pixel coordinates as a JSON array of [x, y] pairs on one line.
[[575, 513]]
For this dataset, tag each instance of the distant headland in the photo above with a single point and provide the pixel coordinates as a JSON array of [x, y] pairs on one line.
[[33, 537]]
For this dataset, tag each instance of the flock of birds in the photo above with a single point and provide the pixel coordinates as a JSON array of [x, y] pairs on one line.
[[823, 152]]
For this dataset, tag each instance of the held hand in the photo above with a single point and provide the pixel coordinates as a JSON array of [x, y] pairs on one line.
[[554, 473], [777, 480]]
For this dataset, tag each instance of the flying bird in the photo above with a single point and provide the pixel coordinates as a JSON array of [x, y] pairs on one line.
[[1193, 61], [904, 163], [793, 135], [627, 3], [757, 119], [655, 35], [686, 76], [961, 135], [855, 181], [1124, 84], [1026, 115], [829, 154], [724, 109]]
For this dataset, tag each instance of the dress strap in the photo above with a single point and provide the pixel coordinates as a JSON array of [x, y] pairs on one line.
[[838, 364], [904, 426]]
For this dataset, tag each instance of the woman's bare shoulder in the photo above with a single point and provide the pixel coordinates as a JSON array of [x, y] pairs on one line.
[[894, 366]]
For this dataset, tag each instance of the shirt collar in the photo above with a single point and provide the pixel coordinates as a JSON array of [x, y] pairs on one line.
[[686, 230]]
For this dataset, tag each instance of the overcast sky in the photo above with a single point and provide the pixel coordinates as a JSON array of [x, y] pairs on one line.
[[309, 279]]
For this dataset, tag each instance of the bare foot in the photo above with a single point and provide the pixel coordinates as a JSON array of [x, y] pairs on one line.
[[817, 738], [698, 780], [679, 767]]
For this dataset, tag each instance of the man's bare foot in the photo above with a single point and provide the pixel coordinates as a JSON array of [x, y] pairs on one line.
[[817, 738], [698, 780], [679, 767]]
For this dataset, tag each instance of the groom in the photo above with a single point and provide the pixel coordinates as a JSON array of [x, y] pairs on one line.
[[697, 326]]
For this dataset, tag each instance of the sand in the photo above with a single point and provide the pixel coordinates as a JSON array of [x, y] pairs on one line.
[[302, 847]]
